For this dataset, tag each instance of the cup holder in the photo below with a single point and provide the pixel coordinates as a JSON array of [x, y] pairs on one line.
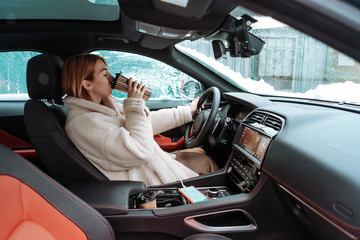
[[164, 198], [169, 203]]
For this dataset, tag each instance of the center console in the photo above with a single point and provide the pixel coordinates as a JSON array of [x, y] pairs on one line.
[[250, 145]]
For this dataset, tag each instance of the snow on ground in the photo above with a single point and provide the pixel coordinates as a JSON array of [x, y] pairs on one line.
[[348, 91]]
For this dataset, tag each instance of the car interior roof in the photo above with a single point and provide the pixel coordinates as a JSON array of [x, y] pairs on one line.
[[80, 35], [66, 37]]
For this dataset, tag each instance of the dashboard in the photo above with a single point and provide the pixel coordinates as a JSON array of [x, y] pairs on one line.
[[310, 151]]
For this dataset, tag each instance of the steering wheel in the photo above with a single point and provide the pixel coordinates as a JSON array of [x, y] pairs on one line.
[[202, 120]]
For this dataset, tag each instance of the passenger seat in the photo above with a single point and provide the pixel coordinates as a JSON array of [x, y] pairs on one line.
[[34, 206]]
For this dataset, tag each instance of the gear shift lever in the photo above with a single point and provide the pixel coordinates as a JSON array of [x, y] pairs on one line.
[[213, 193]]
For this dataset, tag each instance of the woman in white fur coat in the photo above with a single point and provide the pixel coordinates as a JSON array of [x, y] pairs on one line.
[[118, 139]]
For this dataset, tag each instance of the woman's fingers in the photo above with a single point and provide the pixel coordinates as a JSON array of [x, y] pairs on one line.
[[136, 90], [202, 105], [130, 84], [134, 84], [142, 88]]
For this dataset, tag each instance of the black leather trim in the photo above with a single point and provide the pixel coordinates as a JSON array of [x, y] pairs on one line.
[[60, 156], [94, 225], [109, 198]]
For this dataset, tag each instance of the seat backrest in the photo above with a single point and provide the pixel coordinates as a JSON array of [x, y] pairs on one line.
[[45, 116], [34, 206]]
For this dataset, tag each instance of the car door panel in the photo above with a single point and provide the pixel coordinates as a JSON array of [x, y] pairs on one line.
[[12, 129]]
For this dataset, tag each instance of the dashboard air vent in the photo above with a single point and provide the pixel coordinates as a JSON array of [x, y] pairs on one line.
[[273, 122], [257, 117], [266, 119]]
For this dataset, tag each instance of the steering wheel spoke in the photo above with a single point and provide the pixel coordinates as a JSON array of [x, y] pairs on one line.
[[191, 138], [196, 113]]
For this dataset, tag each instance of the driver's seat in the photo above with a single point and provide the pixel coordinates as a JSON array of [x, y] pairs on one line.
[[45, 116]]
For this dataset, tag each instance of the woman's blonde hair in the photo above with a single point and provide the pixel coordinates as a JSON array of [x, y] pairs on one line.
[[75, 70]]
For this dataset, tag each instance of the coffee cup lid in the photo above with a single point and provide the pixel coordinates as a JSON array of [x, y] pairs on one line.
[[145, 197]]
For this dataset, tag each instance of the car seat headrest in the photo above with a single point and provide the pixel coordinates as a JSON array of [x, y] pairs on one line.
[[43, 77]]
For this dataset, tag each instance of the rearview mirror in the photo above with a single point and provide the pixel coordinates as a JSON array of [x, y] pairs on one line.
[[218, 48]]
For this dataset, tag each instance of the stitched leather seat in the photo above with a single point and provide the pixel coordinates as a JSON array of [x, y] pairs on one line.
[[33, 206], [45, 116]]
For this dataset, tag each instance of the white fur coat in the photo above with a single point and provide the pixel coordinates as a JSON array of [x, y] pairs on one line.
[[118, 139]]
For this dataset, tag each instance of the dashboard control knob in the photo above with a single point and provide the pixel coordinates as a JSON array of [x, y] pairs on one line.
[[213, 193], [243, 184]]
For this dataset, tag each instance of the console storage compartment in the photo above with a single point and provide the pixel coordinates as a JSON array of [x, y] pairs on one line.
[[108, 197]]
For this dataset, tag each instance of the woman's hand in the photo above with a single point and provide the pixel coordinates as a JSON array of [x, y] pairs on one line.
[[135, 90], [193, 105]]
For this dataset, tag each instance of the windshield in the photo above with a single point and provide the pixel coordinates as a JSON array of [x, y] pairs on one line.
[[290, 64]]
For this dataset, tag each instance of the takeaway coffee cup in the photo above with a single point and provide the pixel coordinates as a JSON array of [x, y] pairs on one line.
[[146, 200], [121, 83]]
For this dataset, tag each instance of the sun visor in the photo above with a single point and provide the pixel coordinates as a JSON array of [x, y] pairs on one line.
[[152, 42], [191, 9]]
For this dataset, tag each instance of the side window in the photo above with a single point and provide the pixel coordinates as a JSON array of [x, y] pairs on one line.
[[13, 72], [164, 80]]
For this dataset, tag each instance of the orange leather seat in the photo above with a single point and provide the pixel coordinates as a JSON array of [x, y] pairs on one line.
[[33, 206], [167, 145]]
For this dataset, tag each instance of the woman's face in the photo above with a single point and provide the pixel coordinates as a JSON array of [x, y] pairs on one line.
[[102, 80]]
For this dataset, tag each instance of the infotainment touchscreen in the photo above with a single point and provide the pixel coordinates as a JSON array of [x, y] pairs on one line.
[[254, 143]]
